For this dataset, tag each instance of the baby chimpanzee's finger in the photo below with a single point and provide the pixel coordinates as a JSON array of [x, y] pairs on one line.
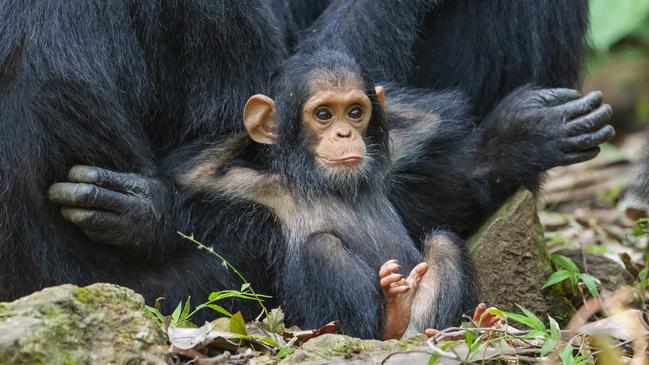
[[389, 267], [581, 106], [398, 289], [416, 274], [390, 279]]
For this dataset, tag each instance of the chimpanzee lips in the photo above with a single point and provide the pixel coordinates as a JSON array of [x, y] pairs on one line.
[[344, 160]]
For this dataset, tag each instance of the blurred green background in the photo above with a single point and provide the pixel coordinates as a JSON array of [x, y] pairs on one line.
[[618, 63]]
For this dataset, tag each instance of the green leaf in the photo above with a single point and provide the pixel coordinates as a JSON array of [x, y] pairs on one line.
[[468, 337], [548, 346], [269, 341], [175, 316], [220, 309], [496, 312], [555, 331], [566, 355], [245, 286], [557, 277], [591, 284], [185, 312], [285, 351], [536, 334], [537, 323], [155, 313], [565, 263], [519, 318], [238, 324], [433, 359]]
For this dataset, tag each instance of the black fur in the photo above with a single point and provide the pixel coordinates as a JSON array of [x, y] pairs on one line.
[[121, 84], [145, 87], [484, 48]]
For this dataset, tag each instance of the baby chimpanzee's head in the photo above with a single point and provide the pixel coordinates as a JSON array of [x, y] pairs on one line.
[[325, 125]]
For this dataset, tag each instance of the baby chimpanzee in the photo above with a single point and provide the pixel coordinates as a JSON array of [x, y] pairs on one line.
[[339, 174], [321, 166]]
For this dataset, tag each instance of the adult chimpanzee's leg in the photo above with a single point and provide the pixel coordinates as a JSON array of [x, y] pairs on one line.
[[119, 85], [322, 281], [62, 79]]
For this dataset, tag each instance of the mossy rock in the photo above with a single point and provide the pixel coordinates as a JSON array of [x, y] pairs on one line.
[[341, 349], [512, 262], [97, 324]]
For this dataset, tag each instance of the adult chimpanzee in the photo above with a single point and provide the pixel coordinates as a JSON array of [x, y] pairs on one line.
[[324, 169], [484, 48], [119, 84]]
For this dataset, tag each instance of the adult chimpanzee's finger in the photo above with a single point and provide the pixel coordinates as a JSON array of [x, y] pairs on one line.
[[89, 196], [582, 105], [590, 122], [124, 182], [576, 157], [92, 221], [558, 96], [589, 140]]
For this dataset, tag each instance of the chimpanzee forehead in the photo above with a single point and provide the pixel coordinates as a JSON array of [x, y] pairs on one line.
[[320, 80]]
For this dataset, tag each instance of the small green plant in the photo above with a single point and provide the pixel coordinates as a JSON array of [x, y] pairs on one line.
[[551, 336], [569, 271], [568, 358], [181, 316]]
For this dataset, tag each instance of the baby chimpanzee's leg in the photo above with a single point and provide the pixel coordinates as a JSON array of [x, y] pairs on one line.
[[448, 289]]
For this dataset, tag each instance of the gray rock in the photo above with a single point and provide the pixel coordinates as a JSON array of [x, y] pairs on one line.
[[512, 262], [97, 324]]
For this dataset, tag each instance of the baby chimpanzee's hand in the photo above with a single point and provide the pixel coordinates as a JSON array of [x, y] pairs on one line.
[[399, 293]]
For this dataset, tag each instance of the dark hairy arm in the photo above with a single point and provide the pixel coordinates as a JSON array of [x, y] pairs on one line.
[[449, 174]]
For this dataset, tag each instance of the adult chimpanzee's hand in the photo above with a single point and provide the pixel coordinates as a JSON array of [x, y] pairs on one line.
[[119, 209], [545, 128]]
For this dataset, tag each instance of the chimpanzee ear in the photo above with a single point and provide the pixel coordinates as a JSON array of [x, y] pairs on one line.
[[259, 119], [380, 93]]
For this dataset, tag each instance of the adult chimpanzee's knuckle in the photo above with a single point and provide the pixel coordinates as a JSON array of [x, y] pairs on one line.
[[82, 194]]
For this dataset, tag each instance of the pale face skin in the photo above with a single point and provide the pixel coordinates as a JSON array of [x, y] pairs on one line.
[[338, 119]]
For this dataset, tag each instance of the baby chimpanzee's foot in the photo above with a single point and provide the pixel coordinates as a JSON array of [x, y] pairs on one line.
[[399, 293]]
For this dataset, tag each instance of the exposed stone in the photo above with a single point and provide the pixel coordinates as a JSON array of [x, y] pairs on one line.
[[97, 324], [512, 262], [341, 349]]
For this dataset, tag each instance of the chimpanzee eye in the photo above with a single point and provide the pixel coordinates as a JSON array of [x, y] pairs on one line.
[[323, 113], [356, 112]]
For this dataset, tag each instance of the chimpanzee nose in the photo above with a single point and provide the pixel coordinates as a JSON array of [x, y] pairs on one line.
[[344, 132]]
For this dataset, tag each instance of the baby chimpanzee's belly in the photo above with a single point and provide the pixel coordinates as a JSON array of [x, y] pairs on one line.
[[373, 235]]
